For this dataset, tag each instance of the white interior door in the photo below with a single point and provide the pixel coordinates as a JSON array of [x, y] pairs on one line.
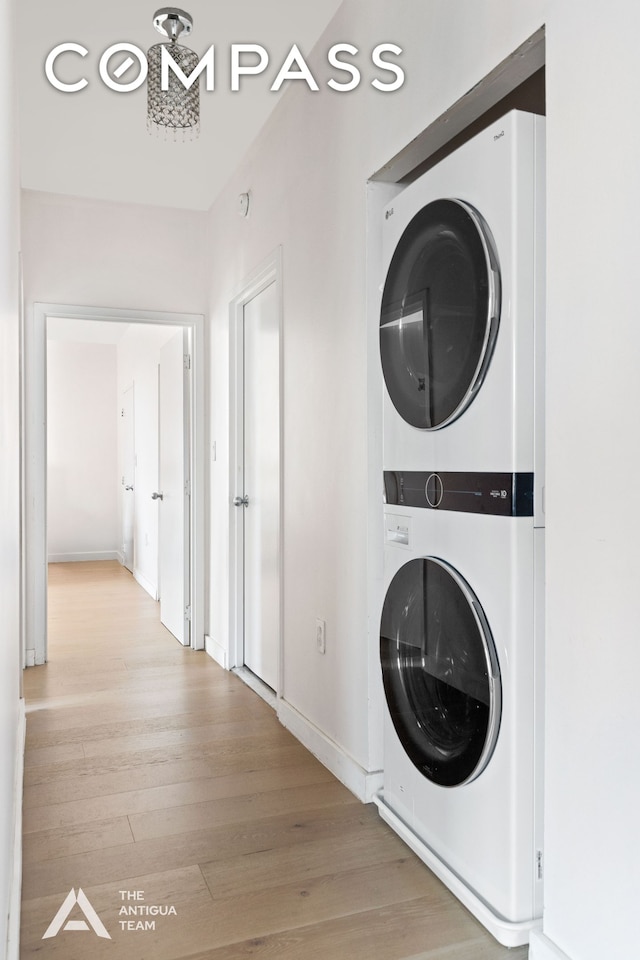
[[127, 448], [173, 495], [261, 512]]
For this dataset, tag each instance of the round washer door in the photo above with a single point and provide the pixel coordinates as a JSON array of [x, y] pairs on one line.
[[440, 672], [440, 313]]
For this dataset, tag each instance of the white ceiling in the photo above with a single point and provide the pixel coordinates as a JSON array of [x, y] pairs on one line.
[[94, 143]]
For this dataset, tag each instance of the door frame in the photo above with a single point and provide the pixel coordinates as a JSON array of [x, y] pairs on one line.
[[35, 444], [268, 272]]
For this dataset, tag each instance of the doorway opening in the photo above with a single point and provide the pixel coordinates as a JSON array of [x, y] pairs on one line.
[[170, 453]]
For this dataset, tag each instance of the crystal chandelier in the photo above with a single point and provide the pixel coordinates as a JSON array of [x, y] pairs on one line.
[[173, 113]]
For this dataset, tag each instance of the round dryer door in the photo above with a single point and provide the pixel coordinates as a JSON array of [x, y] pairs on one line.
[[440, 672], [440, 313]]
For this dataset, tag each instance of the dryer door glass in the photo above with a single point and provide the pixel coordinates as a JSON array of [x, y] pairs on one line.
[[440, 312], [440, 672]]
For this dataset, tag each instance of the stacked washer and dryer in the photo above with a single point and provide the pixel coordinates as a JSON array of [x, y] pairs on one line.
[[461, 636]]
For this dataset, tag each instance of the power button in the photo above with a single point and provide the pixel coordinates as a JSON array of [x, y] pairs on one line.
[[434, 490]]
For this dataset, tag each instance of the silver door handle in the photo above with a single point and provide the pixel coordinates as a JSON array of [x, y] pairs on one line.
[[129, 486], [241, 501], [157, 496]]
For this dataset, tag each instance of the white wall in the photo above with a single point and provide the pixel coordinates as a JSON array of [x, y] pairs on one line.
[[10, 565], [138, 361], [95, 253], [82, 511], [307, 173], [593, 566]]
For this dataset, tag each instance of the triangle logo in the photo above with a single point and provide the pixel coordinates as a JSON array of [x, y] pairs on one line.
[[92, 919]]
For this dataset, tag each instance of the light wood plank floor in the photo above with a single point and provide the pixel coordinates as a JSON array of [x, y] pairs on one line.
[[149, 769]]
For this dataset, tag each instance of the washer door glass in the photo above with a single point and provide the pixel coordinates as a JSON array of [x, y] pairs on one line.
[[440, 672], [440, 312]]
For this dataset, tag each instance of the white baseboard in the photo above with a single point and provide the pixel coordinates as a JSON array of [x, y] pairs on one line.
[[216, 651], [83, 557], [13, 927], [541, 948], [146, 584], [361, 782], [120, 558]]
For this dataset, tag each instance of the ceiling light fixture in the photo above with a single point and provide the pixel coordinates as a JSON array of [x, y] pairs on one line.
[[175, 112]]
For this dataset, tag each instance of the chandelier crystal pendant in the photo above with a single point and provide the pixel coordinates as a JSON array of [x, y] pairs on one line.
[[173, 113]]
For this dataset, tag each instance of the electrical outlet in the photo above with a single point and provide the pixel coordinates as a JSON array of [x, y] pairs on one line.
[[321, 636]]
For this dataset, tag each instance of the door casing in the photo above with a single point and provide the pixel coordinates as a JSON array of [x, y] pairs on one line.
[[34, 429]]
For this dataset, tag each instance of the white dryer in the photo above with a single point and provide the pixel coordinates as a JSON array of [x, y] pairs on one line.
[[461, 340], [461, 637], [462, 660]]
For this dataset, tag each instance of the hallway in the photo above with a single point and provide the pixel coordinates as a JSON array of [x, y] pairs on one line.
[[153, 778]]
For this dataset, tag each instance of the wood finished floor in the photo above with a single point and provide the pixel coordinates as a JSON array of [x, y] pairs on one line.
[[149, 768]]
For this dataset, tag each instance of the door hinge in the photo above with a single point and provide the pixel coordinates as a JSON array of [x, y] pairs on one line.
[[187, 612], [539, 864], [187, 361], [187, 488]]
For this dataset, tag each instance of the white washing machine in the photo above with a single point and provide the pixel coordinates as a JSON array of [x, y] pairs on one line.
[[461, 638], [461, 344], [461, 649]]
